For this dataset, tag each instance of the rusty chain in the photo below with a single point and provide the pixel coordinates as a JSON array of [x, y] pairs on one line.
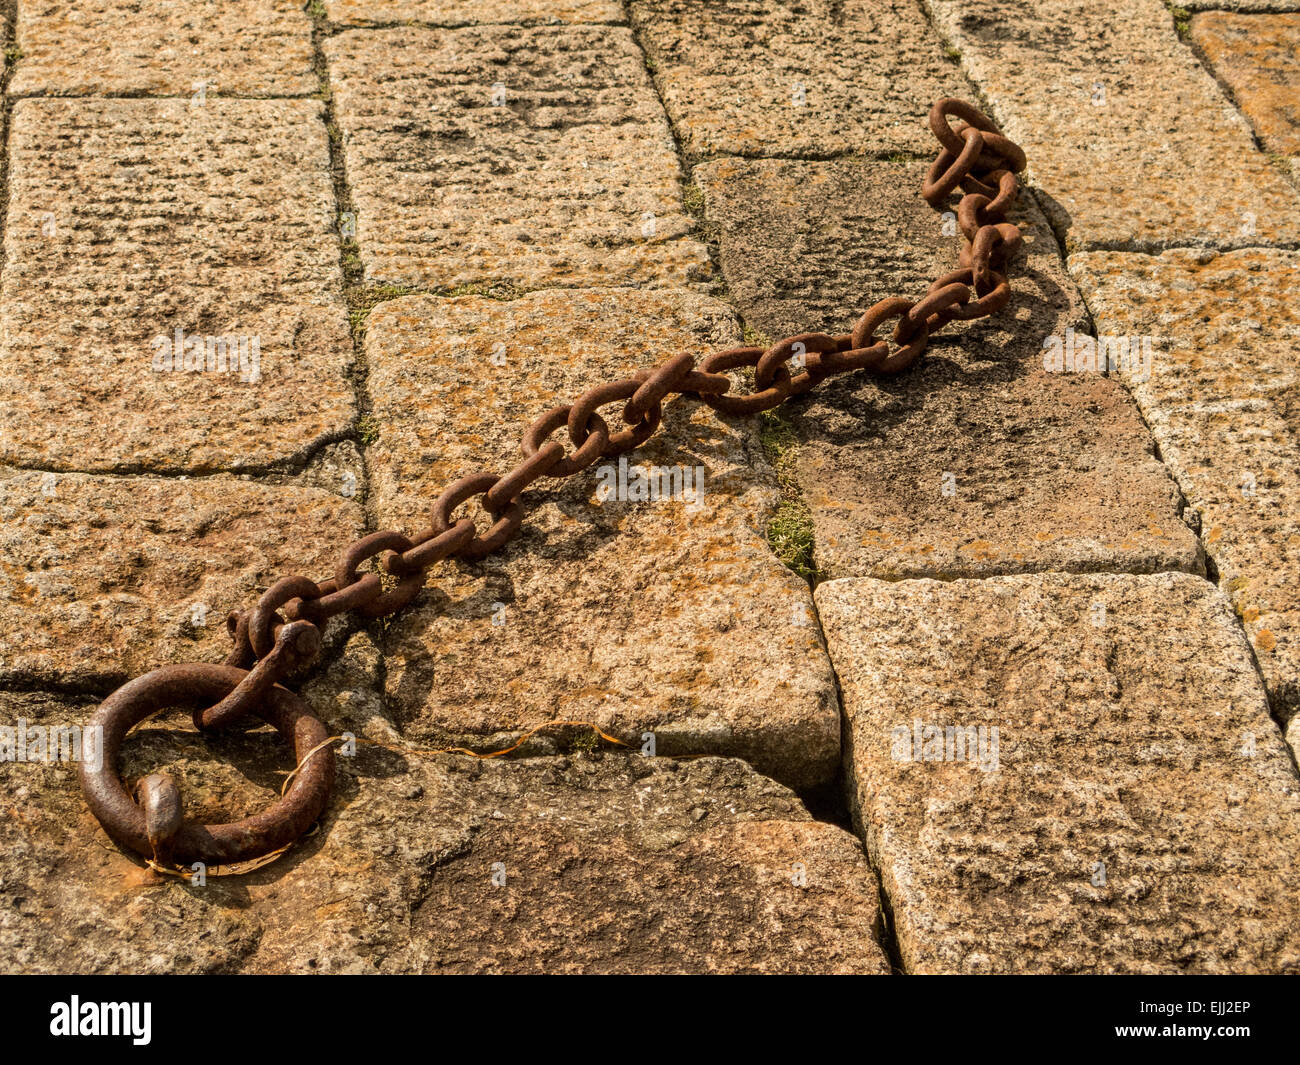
[[281, 633]]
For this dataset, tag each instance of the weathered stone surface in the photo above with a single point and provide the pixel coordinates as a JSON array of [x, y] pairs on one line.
[[808, 246], [1242, 5], [481, 12], [107, 577], [658, 616], [1239, 465], [132, 219], [975, 462], [1119, 119], [1133, 732], [1223, 401], [611, 863], [1255, 56], [1223, 327], [569, 178], [757, 78], [254, 48]]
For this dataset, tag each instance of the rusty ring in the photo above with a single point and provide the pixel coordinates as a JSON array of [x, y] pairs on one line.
[[696, 383], [1002, 240], [913, 340], [533, 468], [972, 214], [334, 600], [1001, 149], [196, 684], [656, 384], [993, 300], [763, 399], [1001, 152], [948, 170], [934, 307], [505, 522], [1008, 191], [345, 574], [947, 136], [585, 406], [815, 345], [852, 358], [264, 620], [430, 548], [583, 457]]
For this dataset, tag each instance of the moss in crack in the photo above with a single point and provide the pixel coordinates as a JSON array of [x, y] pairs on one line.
[[693, 200], [704, 229], [501, 290], [1282, 163], [351, 260], [790, 532], [584, 742], [362, 299], [1182, 21], [367, 429]]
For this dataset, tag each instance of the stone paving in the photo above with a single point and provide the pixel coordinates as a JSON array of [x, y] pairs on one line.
[[159, 48], [565, 175], [987, 667]]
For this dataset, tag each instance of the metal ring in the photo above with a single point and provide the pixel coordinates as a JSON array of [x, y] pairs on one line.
[[948, 170], [1000, 153], [1008, 191], [947, 136], [391, 601], [971, 214], [597, 438], [334, 600], [864, 333], [815, 345], [430, 548], [764, 399], [534, 467], [936, 307], [504, 526], [264, 619], [1000, 149], [193, 685], [655, 386], [584, 407]]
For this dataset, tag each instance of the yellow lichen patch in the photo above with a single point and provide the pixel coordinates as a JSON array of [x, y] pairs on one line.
[[981, 549], [1255, 55]]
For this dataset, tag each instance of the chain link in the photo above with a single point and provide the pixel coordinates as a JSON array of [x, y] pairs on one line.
[[280, 634]]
